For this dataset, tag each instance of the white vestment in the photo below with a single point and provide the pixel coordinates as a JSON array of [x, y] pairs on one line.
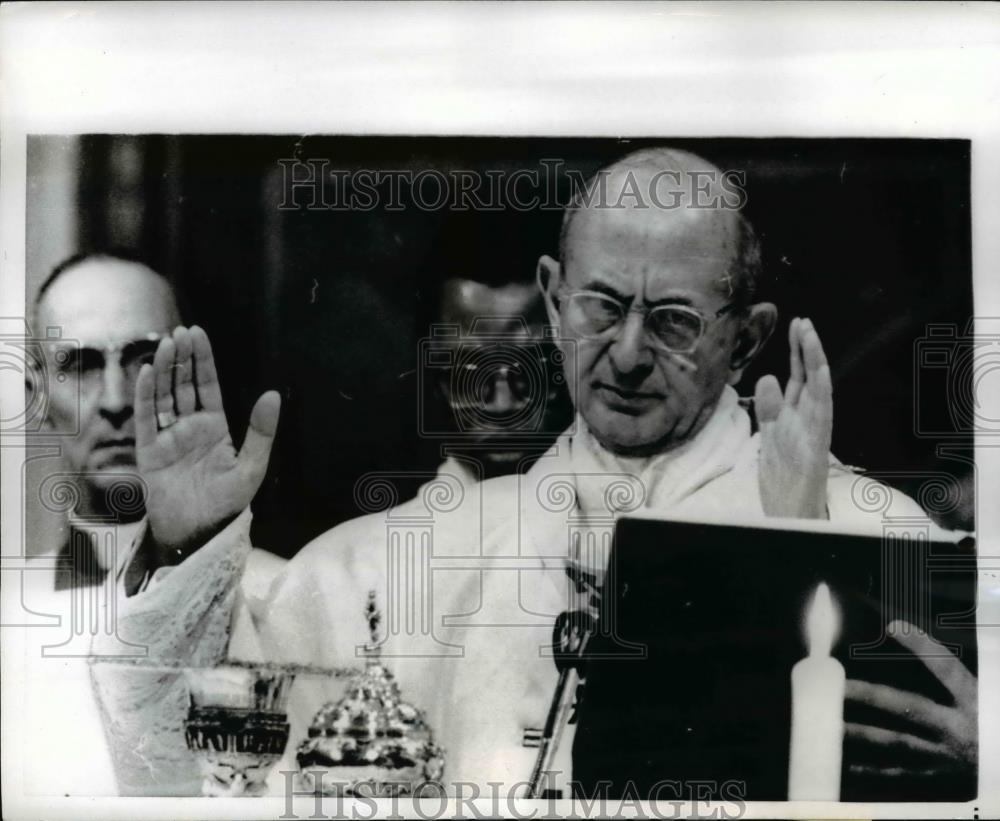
[[64, 751], [469, 578]]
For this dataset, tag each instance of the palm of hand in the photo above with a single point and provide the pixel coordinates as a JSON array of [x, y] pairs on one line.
[[196, 482], [796, 430], [194, 464]]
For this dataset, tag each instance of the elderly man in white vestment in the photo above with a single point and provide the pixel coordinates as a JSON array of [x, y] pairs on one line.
[[657, 309]]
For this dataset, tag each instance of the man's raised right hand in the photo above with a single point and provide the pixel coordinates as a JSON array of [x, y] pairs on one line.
[[196, 482]]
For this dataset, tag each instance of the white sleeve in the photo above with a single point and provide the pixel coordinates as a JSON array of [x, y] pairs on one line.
[[862, 503], [183, 619]]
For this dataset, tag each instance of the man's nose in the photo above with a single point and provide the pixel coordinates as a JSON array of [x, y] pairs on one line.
[[500, 398], [630, 351], [116, 394]]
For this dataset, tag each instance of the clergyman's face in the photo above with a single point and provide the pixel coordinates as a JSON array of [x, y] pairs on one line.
[[500, 328], [101, 304], [635, 398]]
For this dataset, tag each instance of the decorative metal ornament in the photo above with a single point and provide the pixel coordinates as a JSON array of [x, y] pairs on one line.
[[370, 742], [237, 726]]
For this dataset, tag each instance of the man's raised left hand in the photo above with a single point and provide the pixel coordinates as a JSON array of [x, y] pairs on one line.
[[796, 429]]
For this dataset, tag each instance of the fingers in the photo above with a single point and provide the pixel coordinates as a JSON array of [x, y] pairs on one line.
[[163, 363], [808, 365], [892, 740], [145, 406], [256, 448], [767, 400], [813, 354], [796, 371], [911, 707], [183, 372], [822, 384], [937, 658], [814, 359], [206, 379]]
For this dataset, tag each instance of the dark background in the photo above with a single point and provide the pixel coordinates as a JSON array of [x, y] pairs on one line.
[[869, 238]]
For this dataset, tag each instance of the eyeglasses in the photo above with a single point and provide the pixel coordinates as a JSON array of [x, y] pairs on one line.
[[674, 328], [86, 363]]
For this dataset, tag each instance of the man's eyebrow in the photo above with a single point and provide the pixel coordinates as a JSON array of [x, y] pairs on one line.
[[604, 288], [671, 300]]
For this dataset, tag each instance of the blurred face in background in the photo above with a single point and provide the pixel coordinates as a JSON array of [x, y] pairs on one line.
[[110, 314], [503, 389]]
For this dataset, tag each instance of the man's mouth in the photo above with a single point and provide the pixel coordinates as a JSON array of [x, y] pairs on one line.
[[120, 443], [629, 395], [626, 400]]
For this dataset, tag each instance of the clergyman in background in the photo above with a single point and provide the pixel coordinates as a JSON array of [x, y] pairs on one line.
[[493, 391]]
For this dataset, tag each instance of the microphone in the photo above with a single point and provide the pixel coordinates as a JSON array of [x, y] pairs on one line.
[[570, 636]]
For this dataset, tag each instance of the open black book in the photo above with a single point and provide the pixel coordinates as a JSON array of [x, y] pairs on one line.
[[689, 678]]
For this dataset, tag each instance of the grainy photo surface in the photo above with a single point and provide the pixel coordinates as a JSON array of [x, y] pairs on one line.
[[393, 438], [456, 369]]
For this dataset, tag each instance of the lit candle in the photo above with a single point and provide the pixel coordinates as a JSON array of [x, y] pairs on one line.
[[817, 709]]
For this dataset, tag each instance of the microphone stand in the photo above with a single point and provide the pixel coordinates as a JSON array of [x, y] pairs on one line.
[[571, 634]]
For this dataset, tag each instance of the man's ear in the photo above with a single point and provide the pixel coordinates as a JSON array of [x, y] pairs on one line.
[[757, 327], [549, 276]]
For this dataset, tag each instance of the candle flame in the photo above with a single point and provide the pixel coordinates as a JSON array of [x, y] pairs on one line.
[[822, 622]]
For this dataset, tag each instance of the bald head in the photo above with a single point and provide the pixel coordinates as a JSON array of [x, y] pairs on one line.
[[686, 201], [95, 295], [509, 307]]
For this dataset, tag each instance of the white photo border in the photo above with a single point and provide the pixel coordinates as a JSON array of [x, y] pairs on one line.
[[557, 69]]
